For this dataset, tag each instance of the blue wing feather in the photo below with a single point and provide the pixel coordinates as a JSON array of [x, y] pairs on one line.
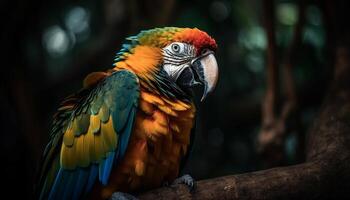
[[92, 178], [80, 184], [125, 135], [108, 167], [101, 170], [70, 184], [57, 186]]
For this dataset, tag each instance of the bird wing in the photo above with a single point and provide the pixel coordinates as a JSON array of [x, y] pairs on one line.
[[90, 134]]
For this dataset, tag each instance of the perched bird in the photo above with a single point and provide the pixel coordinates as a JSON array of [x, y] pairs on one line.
[[130, 128]]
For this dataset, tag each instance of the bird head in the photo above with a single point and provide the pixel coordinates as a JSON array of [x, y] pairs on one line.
[[171, 60]]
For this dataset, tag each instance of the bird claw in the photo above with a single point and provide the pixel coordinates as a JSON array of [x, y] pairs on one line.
[[187, 180], [122, 196]]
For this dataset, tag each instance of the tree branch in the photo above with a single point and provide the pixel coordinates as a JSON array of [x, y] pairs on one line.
[[268, 184]]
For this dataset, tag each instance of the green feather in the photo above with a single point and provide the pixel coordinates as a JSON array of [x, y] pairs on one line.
[[81, 124]]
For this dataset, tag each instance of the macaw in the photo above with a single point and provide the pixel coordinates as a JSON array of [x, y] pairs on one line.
[[130, 128]]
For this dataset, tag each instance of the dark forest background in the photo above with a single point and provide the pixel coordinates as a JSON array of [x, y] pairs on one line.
[[48, 47]]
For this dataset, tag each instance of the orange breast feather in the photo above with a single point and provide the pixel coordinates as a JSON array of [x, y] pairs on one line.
[[160, 139]]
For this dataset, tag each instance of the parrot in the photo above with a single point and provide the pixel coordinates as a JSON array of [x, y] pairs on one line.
[[131, 128]]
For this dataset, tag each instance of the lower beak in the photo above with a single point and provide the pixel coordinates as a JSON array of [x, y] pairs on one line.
[[207, 72]]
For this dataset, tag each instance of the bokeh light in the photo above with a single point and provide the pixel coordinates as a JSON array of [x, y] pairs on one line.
[[55, 41], [287, 13], [253, 37], [77, 22]]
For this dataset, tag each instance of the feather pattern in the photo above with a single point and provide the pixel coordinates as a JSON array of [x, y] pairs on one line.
[[90, 134]]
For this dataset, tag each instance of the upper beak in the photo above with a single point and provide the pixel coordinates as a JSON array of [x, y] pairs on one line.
[[207, 72]]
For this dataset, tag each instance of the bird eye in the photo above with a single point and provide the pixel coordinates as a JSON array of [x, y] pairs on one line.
[[175, 48]]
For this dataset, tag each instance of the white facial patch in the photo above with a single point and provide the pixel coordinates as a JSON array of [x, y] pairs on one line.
[[174, 71], [177, 56]]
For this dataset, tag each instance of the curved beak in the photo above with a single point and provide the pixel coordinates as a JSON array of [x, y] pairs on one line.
[[207, 72]]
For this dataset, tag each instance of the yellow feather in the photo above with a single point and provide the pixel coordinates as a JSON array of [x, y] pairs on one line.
[[177, 105], [86, 155], [68, 137], [152, 128], [187, 106], [151, 98], [120, 65], [67, 159], [95, 123], [109, 136], [79, 151], [168, 110], [99, 151], [89, 146]]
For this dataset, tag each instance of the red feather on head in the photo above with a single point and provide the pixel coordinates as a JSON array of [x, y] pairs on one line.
[[200, 39]]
